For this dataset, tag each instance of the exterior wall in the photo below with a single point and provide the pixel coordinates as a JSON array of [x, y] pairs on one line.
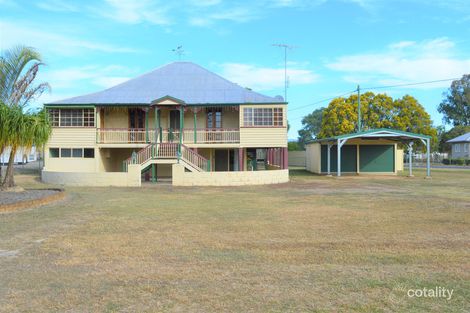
[[124, 179], [399, 153], [115, 119], [297, 158], [111, 159], [313, 155], [259, 137], [66, 137], [463, 151], [182, 178]]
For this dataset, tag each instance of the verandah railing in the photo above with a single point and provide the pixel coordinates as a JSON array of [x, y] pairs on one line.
[[168, 135]]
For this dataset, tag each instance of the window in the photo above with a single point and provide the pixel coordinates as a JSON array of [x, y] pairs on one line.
[[72, 117], [263, 117], [457, 147], [214, 118], [65, 153], [54, 152], [466, 147], [77, 153], [88, 153]]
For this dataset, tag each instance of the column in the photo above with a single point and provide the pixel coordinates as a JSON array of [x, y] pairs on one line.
[[339, 158], [285, 158], [146, 110], [410, 159], [428, 156], [195, 124], [157, 123], [328, 159], [240, 159]]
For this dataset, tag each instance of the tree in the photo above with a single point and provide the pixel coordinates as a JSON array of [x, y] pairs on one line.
[[18, 69], [377, 111], [456, 105], [311, 127]]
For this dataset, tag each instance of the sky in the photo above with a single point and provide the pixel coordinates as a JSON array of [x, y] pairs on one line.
[[336, 45]]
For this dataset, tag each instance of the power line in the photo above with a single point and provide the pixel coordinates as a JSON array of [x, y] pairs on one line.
[[323, 100], [411, 84]]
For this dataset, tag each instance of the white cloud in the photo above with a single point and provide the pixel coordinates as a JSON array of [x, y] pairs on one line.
[[57, 6], [405, 62], [133, 12], [53, 42], [265, 78]]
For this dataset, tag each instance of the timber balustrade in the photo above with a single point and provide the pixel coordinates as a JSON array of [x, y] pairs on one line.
[[168, 151], [168, 135]]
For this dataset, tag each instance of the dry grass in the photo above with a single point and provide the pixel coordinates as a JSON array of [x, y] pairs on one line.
[[316, 244]]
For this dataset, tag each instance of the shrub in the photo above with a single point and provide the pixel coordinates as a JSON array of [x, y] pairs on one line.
[[458, 161], [446, 161], [467, 162]]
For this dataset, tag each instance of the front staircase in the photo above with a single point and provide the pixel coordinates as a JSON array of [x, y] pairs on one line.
[[168, 153]]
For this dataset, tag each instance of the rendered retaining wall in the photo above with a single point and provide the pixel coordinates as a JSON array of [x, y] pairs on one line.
[[182, 178], [131, 178]]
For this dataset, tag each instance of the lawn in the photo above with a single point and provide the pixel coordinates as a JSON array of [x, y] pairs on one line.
[[317, 244]]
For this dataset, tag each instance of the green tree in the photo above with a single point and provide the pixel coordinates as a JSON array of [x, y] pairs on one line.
[[456, 105], [18, 69], [311, 126], [377, 111]]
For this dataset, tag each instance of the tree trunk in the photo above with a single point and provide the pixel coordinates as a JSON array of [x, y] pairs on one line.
[[1, 164], [9, 180]]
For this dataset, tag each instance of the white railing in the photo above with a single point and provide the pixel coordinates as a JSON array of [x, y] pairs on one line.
[[168, 151], [190, 136]]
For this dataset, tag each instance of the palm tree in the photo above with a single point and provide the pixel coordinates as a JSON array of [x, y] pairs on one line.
[[18, 69], [24, 130]]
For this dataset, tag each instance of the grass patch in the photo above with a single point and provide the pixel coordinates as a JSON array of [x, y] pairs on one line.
[[318, 244]]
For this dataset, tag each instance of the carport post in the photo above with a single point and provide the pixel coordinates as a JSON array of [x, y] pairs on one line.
[[340, 143], [329, 159], [410, 158], [428, 156]]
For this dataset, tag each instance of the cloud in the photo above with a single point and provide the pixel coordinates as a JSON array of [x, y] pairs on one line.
[[134, 12], [265, 78], [405, 62], [53, 42], [57, 6]]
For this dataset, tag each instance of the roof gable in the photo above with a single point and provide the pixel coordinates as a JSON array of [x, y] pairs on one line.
[[461, 138], [185, 81]]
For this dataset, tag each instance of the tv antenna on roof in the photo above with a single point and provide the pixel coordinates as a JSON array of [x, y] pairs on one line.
[[178, 51], [286, 80]]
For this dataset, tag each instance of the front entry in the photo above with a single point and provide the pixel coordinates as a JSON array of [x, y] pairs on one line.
[[174, 125], [221, 160]]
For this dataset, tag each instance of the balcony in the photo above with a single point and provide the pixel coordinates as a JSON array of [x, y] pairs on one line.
[[190, 135]]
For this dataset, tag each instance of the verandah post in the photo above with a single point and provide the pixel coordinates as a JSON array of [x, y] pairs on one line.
[[195, 125], [154, 173], [146, 110]]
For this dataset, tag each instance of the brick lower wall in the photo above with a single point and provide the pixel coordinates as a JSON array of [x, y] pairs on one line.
[[182, 178]]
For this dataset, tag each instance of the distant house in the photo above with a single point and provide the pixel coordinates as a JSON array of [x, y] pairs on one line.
[[460, 146], [22, 155]]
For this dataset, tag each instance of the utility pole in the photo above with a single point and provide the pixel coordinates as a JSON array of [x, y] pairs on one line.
[[285, 47], [359, 126]]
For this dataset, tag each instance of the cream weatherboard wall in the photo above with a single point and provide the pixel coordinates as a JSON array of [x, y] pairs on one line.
[[259, 137]]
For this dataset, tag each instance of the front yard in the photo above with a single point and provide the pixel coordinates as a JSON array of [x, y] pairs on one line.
[[355, 244]]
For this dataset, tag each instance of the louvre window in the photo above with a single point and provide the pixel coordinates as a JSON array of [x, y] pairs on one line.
[[54, 152], [72, 117], [88, 153], [263, 117]]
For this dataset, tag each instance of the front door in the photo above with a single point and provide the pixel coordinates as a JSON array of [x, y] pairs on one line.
[[221, 160], [136, 125], [174, 125]]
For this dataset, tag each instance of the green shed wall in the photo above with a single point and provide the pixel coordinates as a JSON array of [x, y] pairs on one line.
[[348, 159], [376, 158]]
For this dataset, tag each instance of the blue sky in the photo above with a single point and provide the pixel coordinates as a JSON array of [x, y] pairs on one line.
[[92, 45]]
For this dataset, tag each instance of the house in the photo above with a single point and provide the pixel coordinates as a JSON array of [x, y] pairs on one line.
[[22, 156], [179, 121], [374, 151], [460, 147]]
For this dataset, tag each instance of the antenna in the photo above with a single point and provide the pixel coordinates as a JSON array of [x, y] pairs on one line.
[[285, 47], [178, 51]]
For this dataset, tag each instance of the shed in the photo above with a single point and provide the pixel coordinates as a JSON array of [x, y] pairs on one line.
[[374, 151]]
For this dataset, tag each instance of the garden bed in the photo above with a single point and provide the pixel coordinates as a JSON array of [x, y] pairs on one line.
[[14, 200]]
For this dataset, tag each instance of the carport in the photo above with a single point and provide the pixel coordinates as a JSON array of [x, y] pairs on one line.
[[370, 156]]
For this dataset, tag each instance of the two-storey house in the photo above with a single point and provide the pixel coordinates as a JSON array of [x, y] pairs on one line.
[[179, 118]]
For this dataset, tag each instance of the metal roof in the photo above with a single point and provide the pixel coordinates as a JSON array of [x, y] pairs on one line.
[[375, 133], [461, 138], [186, 81]]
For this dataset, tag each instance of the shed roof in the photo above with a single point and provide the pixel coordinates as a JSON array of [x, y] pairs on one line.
[[461, 138], [375, 133], [187, 81]]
